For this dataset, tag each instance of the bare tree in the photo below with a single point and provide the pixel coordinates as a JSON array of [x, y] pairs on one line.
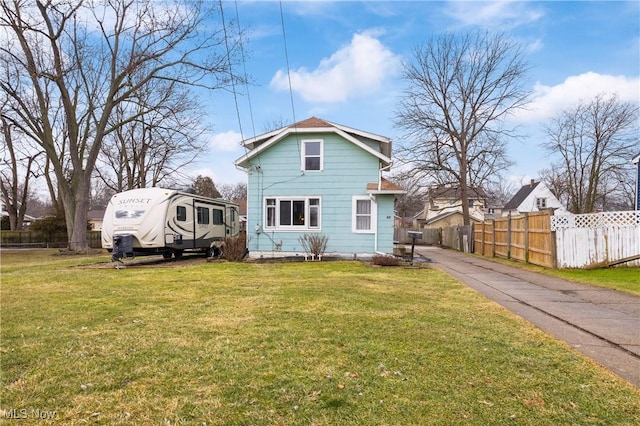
[[275, 124], [233, 192], [89, 58], [412, 201], [499, 191], [460, 90], [18, 168], [155, 146], [594, 142], [556, 181]]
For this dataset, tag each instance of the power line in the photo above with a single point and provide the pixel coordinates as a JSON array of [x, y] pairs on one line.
[[233, 84], [286, 55]]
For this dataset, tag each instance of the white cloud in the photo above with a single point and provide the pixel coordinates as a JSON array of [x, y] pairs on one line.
[[357, 69], [550, 100], [222, 173], [227, 141], [503, 14]]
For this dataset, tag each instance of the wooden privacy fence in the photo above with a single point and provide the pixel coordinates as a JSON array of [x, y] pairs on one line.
[[527, 238], [24, 239], [566, 241], [458, 237], [430, 237]]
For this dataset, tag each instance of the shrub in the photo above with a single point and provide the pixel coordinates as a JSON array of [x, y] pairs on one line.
[[235, 248], [385, 260], [314, 244]]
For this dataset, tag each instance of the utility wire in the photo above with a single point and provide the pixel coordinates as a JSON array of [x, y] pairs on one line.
[[286, 55], [233, 84]]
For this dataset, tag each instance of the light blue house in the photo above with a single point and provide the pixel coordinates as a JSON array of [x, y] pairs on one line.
[[322, 178]]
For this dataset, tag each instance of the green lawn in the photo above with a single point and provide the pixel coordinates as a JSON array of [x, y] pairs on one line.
[[621, 278], [316, 343]]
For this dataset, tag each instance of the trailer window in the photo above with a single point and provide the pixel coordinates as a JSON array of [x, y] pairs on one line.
[[203, 215], [218, 217], [181, 213]]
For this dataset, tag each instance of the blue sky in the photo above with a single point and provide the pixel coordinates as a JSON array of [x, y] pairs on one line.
[[345, 60]]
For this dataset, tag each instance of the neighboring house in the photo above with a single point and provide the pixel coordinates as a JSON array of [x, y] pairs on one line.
[[95, 219], [493, 208], [242, 207], [319, 178], [444, 207], [533, 197], [636, 161], [28, 220]]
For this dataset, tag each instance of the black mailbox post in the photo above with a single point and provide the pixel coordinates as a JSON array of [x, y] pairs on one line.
[[414, 235]]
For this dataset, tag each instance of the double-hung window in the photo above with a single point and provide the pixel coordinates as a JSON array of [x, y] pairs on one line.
[[363, 215], [312, 158], [295, 213]]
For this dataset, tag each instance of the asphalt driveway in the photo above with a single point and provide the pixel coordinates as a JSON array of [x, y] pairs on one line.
[[600, 323]]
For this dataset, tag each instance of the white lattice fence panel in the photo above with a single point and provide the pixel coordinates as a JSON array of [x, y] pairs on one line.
[[591, 239], [596, 220]]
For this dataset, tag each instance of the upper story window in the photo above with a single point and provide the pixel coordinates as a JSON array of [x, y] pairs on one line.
[[541, 203], [312, 158], [292, 213]]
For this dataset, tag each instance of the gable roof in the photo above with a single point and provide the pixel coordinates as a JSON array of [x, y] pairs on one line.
[[260, 143], [521, 195]]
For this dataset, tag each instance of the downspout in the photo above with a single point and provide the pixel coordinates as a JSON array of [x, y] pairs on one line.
[[380, 170], [373, 199]]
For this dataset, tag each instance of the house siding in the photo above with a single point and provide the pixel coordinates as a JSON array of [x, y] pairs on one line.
[[541, 191], [347, 170]]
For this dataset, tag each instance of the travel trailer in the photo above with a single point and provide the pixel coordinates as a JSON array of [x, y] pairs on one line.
[[168, 222]]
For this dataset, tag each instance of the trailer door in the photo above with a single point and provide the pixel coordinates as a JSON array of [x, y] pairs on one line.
[[232, 221], [202, 226]]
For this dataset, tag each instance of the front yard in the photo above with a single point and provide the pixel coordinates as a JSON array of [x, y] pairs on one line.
[[320, 343]]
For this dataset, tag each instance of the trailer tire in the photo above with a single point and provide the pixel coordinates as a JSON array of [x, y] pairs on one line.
[[177, 254], [166, 255], [214, 252]]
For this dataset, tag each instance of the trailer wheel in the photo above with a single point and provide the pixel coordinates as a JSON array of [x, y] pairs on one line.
[[214, 252], [166, 255], [177, 254]]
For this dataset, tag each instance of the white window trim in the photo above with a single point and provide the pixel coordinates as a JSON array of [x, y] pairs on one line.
[[374, 214], [293, 228], [303, 155]]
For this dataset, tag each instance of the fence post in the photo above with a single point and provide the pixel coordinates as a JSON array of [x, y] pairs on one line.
[[553, 244], [493, 238], [509, 236], [526, 237]]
